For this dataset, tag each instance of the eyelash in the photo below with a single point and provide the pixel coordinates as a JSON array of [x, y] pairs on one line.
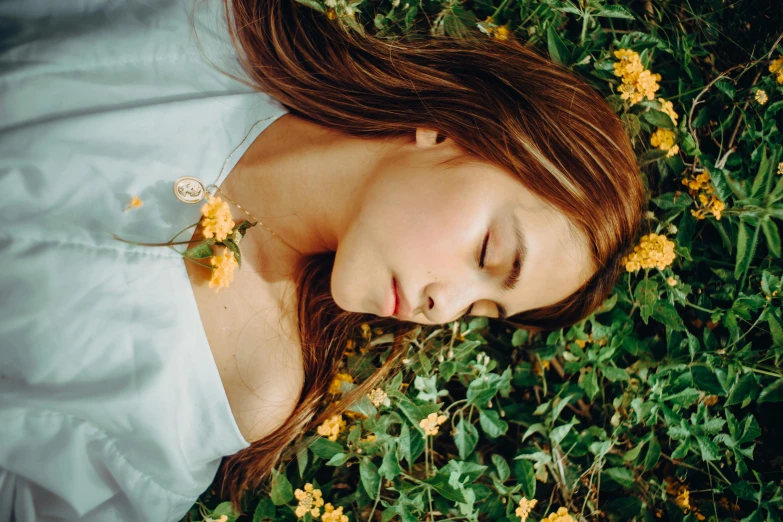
[[481, 264]]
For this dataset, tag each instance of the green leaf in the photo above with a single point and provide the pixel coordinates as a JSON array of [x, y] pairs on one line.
[[466, 438], [369, 476], [338, 459], [525, 474], [646, 294], [502, 466], [440, 483], [281, 493], [658, 119], [665, 313], [492, 424], [746, 247], [615, 374], [761, 175], [709, 450], [265, 510], [653, 454], [235, 249], [201, 251], [623, 508], [589, 382], [772, 392], [390, 467], [744, 388], [558, 51], [622, 476], [558, 434], [614, 11], [225, 508], [770, 230], [325, 448]]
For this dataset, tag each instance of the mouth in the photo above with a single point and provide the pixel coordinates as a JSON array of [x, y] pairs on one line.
[[391, 303], [396, 297]]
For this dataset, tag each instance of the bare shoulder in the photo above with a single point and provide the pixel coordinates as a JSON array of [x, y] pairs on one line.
[[269, 364]]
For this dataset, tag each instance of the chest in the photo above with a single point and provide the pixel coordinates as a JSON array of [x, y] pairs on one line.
[[252, 331]]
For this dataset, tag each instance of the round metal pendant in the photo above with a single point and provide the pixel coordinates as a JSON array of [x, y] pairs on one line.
[[189, 190]]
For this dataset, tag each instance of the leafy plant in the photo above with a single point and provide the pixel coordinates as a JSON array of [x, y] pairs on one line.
[[660, 405]]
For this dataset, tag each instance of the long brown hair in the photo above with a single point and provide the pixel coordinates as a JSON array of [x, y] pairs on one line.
[[500, 101]]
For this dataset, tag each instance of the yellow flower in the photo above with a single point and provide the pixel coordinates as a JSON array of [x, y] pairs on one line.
[[664, 140], [333, 515], [525, 506], [653, 250], [432, 423], [668, 108], [637, 82], [378, 396], [671, 281], [761, 96], [223, 269], [776, 67], [502, 32], [560, 516], [332, 427], [702, 191], [339, 379], [135, 203], [310, 500], [217, 220]]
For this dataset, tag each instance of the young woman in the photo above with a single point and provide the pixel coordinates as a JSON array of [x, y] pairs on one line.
[[400, 182]]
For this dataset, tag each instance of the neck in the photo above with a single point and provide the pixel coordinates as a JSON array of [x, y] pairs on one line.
[[302, 181]]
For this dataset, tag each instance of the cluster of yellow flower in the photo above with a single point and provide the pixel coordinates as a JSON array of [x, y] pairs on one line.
[[653, 250], [379, 397], [217, 221], [223, 267], [332, 427], [332, 514], [701, 190], [310, 501], [561, 515], [497, 32], [638, 82], [432, 423], [776, 68], [681, 495], [761, 96], [664, 138], [337, 382], [525, 507]]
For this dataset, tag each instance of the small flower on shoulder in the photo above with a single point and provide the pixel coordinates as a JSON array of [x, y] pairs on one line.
[[135, 203], [223, 269], [217, 221]]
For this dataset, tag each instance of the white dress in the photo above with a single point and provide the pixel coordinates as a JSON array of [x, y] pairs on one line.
[[111, 405]]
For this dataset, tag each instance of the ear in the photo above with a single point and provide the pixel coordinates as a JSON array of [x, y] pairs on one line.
[[428, 137]]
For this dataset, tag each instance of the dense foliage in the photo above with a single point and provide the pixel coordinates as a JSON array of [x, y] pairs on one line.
[[661, 405]]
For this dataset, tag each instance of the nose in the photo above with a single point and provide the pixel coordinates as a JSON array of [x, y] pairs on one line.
[[444, 302]]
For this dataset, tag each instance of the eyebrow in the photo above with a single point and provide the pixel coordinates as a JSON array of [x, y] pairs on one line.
[[520, 254]]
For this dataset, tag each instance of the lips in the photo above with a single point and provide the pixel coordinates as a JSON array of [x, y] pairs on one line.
[[396, 297], [403, 310]]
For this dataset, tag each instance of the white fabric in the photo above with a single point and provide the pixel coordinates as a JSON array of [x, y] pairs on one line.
[[111, 405]]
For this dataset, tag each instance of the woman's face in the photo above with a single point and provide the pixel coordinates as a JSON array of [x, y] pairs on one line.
[[422, 228]]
